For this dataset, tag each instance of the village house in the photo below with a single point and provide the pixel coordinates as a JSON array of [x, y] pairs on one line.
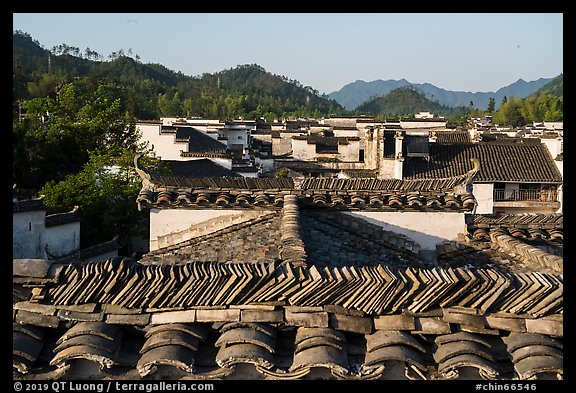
[[53, 237]]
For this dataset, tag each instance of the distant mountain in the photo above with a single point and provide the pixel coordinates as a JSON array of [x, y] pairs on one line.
[[354, 94], [403, 101]]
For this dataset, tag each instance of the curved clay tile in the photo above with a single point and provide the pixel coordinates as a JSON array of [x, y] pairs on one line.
[[279, 200], [246, 336], [184, 198], [321, 356], [305, 333], [283, 375], [262, 327], [530, 367], [433, 201], [194, 329], [261, 199], [319, 199], [395, 200], [243, 199], [202, 199], [376, 201], [452, 201], [382, 338], [105, 330], [452, 349], [402, 353], [104, 358], [168, 355], [316, 341], [358, 200], [536, 350], [461, 336], [90, 340], [164, 197], [170, 337], [451, 368], [223, 199], [229, 355], [518, 340]]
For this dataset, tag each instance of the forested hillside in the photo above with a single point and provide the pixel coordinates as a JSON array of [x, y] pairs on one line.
[[152, 91], [404, 101]]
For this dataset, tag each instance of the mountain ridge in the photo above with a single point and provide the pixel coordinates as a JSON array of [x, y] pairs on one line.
[[354, 94]]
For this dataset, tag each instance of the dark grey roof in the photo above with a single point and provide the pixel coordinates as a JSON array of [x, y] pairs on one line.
[[197, 140], [28, 205], [517, 162], [202, 168]]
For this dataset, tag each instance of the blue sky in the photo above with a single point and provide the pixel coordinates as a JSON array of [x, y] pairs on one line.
[[455, 51]]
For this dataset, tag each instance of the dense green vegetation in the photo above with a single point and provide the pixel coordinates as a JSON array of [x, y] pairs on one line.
[[151, 91]]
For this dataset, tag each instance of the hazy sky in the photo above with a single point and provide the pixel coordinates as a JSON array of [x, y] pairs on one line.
[[455, 51]]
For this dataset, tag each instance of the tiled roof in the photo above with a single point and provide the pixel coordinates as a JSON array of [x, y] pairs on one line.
[[306, 293], [498, 163], [374, 290], [28, 205], [363, 173], [163, 191], [197, 140], [202, 168], [452, 136], [63, 218], [257, 350]]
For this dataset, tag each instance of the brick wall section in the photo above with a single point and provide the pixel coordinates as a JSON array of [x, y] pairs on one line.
[[251, 241], [338, 239]]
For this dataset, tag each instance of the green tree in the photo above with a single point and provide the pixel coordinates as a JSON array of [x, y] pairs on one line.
[[105, 190], [491, 105]]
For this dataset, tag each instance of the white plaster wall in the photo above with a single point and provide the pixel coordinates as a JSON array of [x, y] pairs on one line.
[[166, 221], [553, 145], [301, 150], [63, 239], [349, 152], [484, 194], [560, 166], [28, 234], [423, 228], [348, 133], [164, 145], [423, 124]]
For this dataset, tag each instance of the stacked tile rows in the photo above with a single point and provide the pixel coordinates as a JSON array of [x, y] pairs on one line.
[[529, 254], [179, 198], [218, 350], [387, 200], [223, 183], [526, 220], [292, 247], [366, 184], [373, 290]]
